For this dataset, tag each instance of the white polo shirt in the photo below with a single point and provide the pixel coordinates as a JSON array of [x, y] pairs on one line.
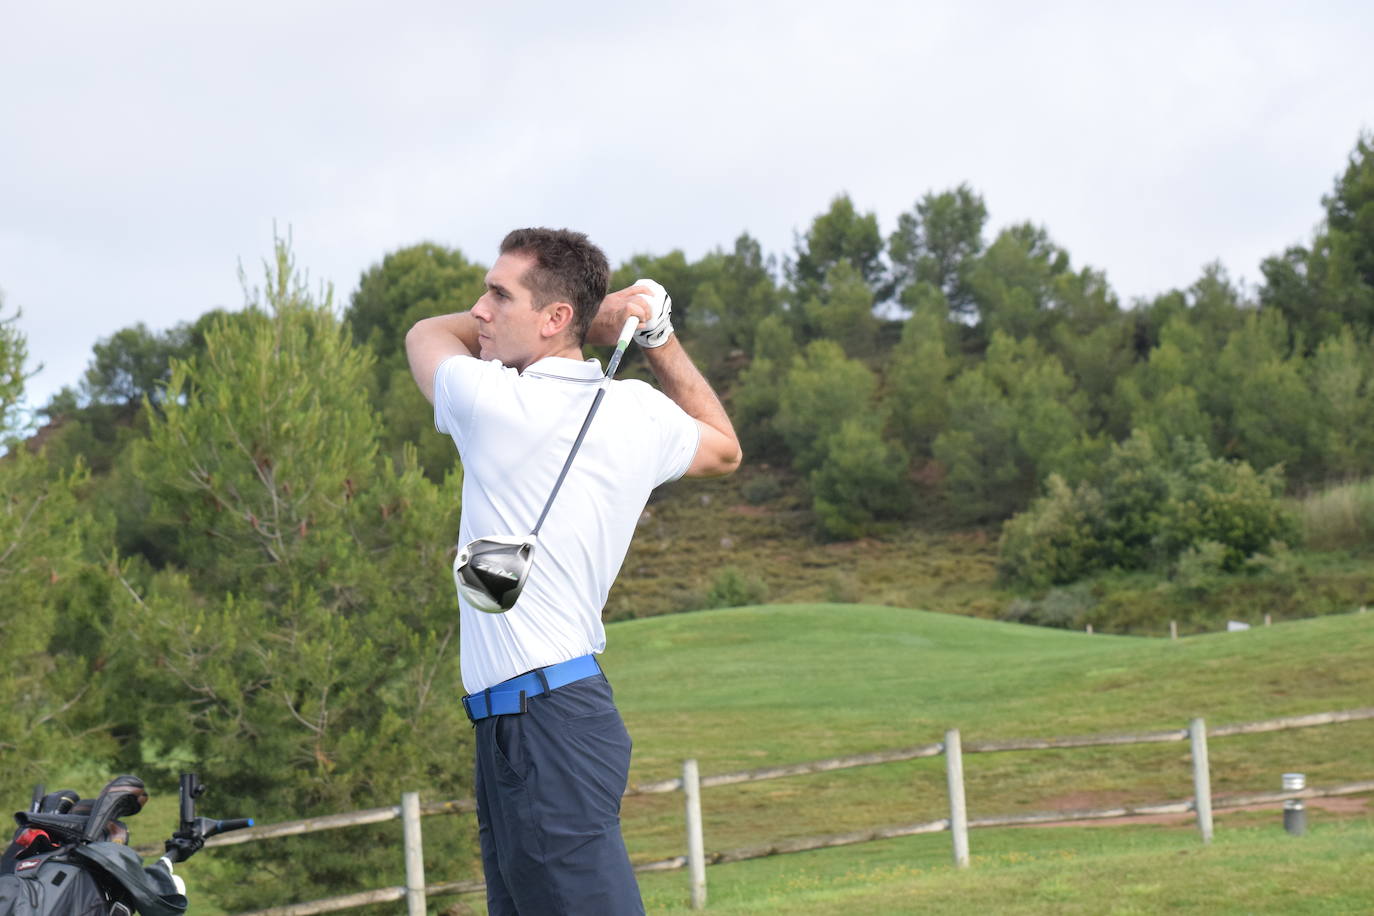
[[513, 431]]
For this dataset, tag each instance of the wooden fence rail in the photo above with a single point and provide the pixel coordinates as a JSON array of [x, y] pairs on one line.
[[793, 769], [692, 784], [870, 834], [335, 822]]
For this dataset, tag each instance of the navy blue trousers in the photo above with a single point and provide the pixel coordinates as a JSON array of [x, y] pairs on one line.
[[549, 783]]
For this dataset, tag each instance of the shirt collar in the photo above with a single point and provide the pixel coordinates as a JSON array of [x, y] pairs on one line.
[[560, 367]]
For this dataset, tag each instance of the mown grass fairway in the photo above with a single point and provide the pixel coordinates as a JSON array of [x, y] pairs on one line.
[[1131, 870], [752, 687]]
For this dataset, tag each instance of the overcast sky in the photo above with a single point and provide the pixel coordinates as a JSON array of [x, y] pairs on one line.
[[147, 148]]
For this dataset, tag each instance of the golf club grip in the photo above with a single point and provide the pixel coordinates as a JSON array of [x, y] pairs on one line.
[[621, 345]]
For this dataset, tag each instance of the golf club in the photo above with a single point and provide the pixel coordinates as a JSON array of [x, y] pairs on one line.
[[490, 572]]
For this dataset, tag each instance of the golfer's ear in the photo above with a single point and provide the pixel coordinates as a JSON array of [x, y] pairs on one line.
[[558, 318]]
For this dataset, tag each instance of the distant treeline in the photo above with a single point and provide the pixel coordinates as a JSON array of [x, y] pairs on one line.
[[227, 544]]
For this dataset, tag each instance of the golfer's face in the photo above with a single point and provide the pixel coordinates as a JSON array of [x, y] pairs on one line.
[[508, 323]]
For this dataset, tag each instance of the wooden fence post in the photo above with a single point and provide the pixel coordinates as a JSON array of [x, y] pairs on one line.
[[415, 859], [1202, 778], [696, 844], [958, 814]]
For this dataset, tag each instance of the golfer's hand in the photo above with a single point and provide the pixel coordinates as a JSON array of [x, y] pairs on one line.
[[615, 308], [654, 331]]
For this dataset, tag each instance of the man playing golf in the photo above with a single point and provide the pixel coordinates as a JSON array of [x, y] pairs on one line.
[[508, 383]]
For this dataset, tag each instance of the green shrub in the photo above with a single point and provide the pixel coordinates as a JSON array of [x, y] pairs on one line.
[[756, 396], [1146, 510], [1200, 566], [1228, 503], [860, 481], [1065, 608], [1013, 418], [1057, 541], [822, 389], [732, 588], [762, 488]]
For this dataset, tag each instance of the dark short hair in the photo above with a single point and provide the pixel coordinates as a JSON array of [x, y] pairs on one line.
[[567, 268]]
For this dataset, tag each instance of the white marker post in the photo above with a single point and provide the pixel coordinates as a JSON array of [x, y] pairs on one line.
[[696, 844], [958, 812], [414, 854], [1202, 778]]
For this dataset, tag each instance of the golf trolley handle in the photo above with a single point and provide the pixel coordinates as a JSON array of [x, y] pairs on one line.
[[191, 789], [194, 831], [232, 823], [627, 333]]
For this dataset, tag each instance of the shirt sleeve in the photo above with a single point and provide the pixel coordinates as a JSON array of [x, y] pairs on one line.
[[679, 436], [457, 384]]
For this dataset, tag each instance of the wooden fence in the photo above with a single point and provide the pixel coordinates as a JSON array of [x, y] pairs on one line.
[[691, 784]]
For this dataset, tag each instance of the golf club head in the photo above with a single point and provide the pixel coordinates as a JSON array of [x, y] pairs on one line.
[[59, 802], [490, 572]]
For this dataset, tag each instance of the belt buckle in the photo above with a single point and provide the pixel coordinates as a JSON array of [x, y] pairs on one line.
[[467, 707]]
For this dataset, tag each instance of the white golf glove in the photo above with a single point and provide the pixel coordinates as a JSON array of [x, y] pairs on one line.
[[655, 331]]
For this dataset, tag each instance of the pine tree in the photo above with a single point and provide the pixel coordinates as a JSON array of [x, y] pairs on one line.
[[308, 636]]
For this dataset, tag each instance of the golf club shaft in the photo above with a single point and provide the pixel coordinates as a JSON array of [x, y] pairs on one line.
[[621, 345]]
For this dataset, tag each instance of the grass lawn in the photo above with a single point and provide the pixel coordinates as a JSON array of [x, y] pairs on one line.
[[753, 687], [1126, 870]]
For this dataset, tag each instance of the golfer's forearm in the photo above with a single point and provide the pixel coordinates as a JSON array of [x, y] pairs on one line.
[[460, 325], [433, 340], [681, 381]]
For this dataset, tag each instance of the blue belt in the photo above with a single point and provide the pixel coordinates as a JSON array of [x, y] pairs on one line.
[[512, 696]]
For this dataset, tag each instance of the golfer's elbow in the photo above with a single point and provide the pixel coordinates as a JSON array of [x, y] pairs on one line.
[[717, 455], [425, 350], [416, 339], [730, 462], [422, 334]]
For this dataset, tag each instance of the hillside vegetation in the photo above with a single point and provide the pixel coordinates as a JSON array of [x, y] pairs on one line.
[[245, 521], [706, 543]]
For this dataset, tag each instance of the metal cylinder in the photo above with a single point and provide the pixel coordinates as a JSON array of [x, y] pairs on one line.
[[1294, 817], [1294, 811]]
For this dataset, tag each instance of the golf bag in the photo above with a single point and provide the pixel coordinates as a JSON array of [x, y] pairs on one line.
[[53, 885], [70, 857]]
